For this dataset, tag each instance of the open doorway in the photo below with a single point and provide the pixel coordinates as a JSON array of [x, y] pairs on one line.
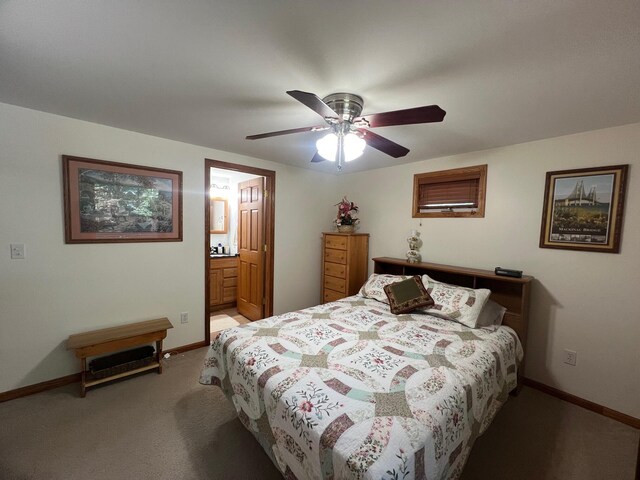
[[239, 239]]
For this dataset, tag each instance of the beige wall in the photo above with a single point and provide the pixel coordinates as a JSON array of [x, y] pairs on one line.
[[61, 289], [581, 301]]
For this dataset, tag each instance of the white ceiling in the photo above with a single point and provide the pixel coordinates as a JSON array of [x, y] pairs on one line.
[[211, 72]]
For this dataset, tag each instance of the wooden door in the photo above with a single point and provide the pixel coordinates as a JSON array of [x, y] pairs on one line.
[[251, 246]]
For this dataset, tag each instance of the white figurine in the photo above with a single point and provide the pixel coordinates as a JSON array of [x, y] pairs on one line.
[[413, 256]]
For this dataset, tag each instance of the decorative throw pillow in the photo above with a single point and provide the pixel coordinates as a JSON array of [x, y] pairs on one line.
[[407, 295], [374, 286], [491, 314], [453, 302]]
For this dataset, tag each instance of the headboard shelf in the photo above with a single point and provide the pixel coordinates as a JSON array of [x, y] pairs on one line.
[[511, 293], [403, 266]]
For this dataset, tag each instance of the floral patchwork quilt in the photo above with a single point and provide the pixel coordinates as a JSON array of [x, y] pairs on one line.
[[348, 390]]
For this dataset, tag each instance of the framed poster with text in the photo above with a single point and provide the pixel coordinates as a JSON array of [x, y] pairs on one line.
[[583, 209]]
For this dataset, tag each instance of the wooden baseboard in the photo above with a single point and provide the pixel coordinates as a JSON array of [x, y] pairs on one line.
[[186, 348], [581, 402], [75, 377], [638, 464], [39, 387]]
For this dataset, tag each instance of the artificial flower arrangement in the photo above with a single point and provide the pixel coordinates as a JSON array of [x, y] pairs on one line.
[[346, 213]]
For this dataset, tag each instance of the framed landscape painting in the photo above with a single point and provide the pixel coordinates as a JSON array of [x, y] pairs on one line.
[[583, 209], [107, 202]]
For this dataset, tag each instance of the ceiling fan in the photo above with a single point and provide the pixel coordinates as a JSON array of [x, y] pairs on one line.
[[349, 132]]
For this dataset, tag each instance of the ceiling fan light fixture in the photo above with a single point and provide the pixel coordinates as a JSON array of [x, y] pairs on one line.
[[328, 146], [353, 146], [346, 142]]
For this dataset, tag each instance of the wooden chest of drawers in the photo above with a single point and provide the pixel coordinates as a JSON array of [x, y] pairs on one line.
[[223, 281], [345, 259]]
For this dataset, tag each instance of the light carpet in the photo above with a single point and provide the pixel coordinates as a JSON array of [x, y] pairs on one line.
[[169, 427]]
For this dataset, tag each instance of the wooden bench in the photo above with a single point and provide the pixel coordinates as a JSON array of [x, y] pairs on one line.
[[109, 340]]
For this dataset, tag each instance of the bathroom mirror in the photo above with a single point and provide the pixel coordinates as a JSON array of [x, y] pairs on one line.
[[219, 215]]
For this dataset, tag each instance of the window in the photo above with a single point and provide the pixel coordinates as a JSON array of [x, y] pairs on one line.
[[450, 193]]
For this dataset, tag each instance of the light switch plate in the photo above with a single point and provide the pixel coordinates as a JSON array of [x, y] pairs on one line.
[[17, 251]]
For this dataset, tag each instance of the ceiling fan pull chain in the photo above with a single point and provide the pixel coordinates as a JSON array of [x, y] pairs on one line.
[[340, 150]]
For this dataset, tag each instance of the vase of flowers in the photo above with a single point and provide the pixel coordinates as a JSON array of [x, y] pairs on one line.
[[346, 219]]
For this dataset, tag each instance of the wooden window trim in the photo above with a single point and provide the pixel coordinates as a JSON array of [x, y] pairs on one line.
[[441, 177]]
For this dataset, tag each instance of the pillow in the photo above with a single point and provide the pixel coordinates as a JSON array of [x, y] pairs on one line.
[[407, 295], [491, 314], [456, 303], [374, 286]]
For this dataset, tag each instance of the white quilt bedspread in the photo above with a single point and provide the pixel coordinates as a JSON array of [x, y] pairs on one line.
[[348, 390]]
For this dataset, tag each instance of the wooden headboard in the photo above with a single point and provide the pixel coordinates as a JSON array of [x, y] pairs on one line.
[[511, 293]]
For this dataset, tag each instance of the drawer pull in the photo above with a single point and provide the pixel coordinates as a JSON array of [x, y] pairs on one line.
[[337, 284], [331, 296], [335, 270], [336, 241], [335, 256]]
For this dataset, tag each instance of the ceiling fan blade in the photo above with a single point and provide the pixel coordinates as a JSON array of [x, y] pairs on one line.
[[317, 158], [428, 114], [287, 132], [314, 102], [383, 144]]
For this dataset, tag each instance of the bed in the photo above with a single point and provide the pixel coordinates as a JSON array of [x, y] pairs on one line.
[[349, 390]]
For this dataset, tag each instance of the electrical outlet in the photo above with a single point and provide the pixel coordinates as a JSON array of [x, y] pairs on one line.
[[17, 251], [184, 317], [570, 357]]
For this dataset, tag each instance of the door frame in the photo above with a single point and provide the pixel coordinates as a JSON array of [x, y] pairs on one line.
[[269, 234]]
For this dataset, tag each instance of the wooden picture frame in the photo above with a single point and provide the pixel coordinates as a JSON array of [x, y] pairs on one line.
[[219, 215], [110, 202], [583, 209]]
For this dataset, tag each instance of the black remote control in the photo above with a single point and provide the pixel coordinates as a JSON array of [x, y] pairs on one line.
[[506, 272]]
